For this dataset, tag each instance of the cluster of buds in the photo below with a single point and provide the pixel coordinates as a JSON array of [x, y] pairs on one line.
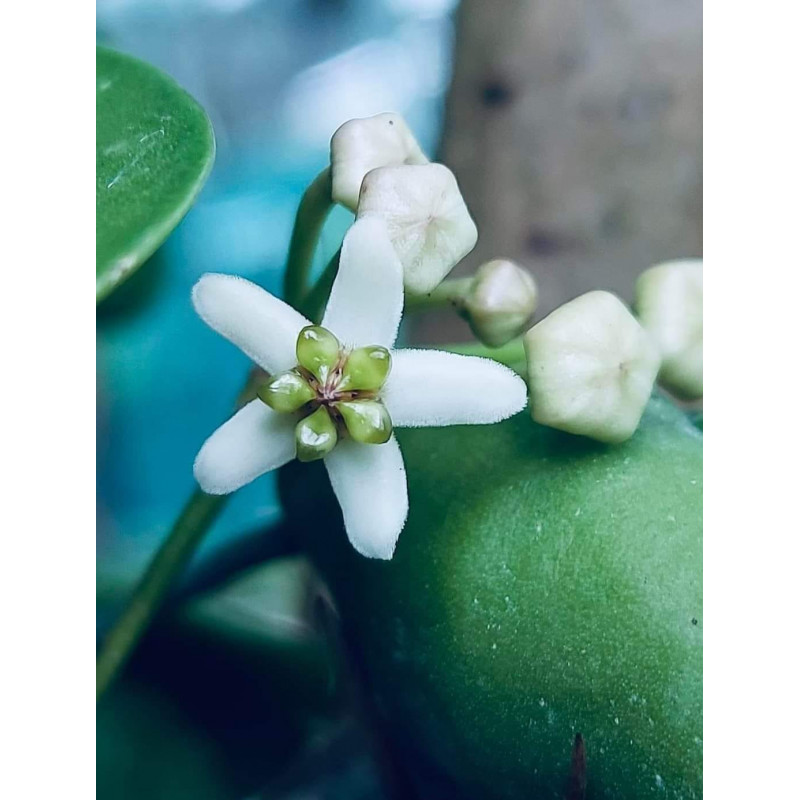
[[379, 171], [591, 363]]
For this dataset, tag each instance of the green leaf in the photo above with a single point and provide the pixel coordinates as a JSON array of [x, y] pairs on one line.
[[155, 148], [545, 585]]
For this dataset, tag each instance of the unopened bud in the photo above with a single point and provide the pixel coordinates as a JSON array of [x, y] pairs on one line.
[[669, 302], [591, 368], [428, 222], [500, 302], [361, 145]]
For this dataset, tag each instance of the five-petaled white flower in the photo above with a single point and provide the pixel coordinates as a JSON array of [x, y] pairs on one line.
[[336, 403]]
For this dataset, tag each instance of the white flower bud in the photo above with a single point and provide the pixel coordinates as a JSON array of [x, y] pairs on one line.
[[427, 219], [591, 368], [361, 145], [669, 302], [500, 301]]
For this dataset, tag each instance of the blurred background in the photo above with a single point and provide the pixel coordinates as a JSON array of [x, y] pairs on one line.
[[574, 130]]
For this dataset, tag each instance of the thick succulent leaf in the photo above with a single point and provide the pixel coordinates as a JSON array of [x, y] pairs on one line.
[[155, 148], [544, 585]]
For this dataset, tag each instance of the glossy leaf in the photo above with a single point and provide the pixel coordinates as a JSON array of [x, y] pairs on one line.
[[155, 148]]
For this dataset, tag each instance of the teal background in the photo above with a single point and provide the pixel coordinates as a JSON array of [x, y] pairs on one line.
[[276, 79]]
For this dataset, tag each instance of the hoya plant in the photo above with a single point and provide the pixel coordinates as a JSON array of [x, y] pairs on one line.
[[510, 530]]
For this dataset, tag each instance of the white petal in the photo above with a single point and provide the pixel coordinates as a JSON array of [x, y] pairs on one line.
[[259, 324], [367, 296], [370, 483], [253, 441], [431, 388]]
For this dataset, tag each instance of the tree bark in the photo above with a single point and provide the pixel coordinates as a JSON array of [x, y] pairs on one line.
[[574, 128]]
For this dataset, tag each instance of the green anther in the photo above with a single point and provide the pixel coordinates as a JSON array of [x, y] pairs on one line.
[[367, 421], [286, 392], [315, 435], [366, 369], [318, 350]]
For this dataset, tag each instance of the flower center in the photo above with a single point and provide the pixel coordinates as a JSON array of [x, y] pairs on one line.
[[334, 391]]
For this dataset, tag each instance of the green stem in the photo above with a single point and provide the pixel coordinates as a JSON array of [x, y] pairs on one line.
[[511, 354], [172, 557], [201, 509], [313, 306], [448, 293], [311, 215]]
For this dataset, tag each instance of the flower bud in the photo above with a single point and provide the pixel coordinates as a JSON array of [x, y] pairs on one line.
[[669, 302], [315, 435], [367, 421], [318, 350], [500, 302], [591, 368], [428, 222], [361, 145], [366, 369], [286, 392]]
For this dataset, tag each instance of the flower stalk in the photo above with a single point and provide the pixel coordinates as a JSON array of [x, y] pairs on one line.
[[313, 305], [311, 215], [148, 597], [449, 293], [202, 509]]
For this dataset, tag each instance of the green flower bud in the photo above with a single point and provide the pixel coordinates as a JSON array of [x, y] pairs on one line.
[[367, 421], [366, 369], [500, 302], [286, 392], [315, 435], [318, 350]]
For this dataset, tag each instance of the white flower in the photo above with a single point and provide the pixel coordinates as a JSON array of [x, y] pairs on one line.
[[427, 219], [669, 302], [591, 368], [424, 387], [361, 145]]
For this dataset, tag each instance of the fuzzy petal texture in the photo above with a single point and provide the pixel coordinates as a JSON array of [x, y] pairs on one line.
[[366, 300], [253, 441], [431, 388], [260, 325], [369, 481]]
